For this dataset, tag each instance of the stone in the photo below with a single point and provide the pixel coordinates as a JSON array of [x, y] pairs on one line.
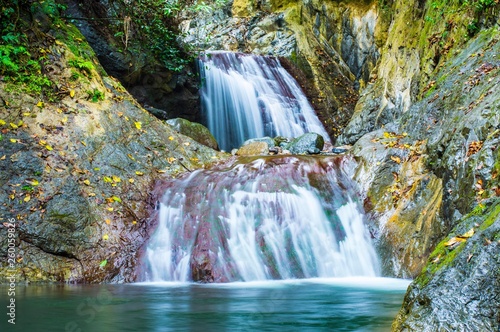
[[310, 143], [253, 149], [196, 131]]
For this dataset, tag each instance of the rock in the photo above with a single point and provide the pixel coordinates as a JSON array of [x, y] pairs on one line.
[[270, 142], [339, 150], [253, 149], [310, 143], [459, 289], [196, 131]]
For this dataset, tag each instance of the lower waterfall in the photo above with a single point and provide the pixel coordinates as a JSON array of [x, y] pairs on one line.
[[261, 218]]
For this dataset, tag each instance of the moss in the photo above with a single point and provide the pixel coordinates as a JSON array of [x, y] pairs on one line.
[[492, 216]]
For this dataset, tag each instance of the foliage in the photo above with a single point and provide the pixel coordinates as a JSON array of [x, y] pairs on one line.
[[19, 65], [82, 65], [154, 22], [95, 95]]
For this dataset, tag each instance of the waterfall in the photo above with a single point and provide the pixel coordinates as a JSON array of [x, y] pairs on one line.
[[248, 96], [261, 218]]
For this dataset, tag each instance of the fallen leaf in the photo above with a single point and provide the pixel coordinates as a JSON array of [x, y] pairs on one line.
[[91, 194], [171, 138], [27, 198], [2, 122], [14, 126], [110, 209], [105, 237], [72, 93], [48, 147], [104, 262], [116, 199], [13, 140], [138, 125], [116, 178], [2, 158], [453, 241], [131, 180], [108, 221], [33, 182], [130, 156], [87, 182], [139, 173], [40, 104], [107, 179], [396, 159], [468, 234]]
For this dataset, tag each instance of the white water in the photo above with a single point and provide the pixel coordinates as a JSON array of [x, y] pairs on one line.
[[247, 96], [262, 227]]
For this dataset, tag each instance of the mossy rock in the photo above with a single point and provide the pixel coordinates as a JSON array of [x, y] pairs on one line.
[[196, 131]]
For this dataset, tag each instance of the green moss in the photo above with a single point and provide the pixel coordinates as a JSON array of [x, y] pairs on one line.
[[492, 216]]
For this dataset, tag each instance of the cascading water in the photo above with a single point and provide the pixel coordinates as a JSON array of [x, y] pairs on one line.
[[247, 96], [261, 218]]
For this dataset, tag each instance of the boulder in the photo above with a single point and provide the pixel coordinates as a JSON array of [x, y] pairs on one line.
[[310, 143], [196, 131]]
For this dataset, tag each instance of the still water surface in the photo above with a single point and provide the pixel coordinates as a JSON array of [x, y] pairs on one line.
[[342, 304]]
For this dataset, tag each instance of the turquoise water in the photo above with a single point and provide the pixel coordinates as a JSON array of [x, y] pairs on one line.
[[353, 304]]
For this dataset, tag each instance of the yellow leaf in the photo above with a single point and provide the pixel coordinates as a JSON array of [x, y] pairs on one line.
[[2, 122], [116, 199], [139, 173], [12, 196], [396, 159], [83, 143], [171, 159], [48, 147], [134, 222], [388, 135], [64, 120], [42, 142], [13, 125], [120, 114], [107, 179], [453, 241], [171, 138], [40, 104], [161, 170], [25, 114], [194, 159], [72, 93], [108, 221], [130, 156], [27, 198], [110, 209], [131, 180], [116, 178], [405, 134], [87, 182], [20, 123], [468, 234], [2, 158], [105, 237], [186, 143], [33, 182], [13, 140], [91, 194], [97, 169], [126, 118], [138, 125]]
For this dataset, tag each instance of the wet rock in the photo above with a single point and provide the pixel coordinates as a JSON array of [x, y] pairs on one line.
[[310, 143], [253, 149], [270, 141], [459, 289], [196, 131]]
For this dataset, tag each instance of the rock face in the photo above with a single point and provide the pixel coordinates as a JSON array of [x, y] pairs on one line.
[[76, 173], [425, 134]]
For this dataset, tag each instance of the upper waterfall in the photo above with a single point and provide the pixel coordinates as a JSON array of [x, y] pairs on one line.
[[248, 96], [261, 218]]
